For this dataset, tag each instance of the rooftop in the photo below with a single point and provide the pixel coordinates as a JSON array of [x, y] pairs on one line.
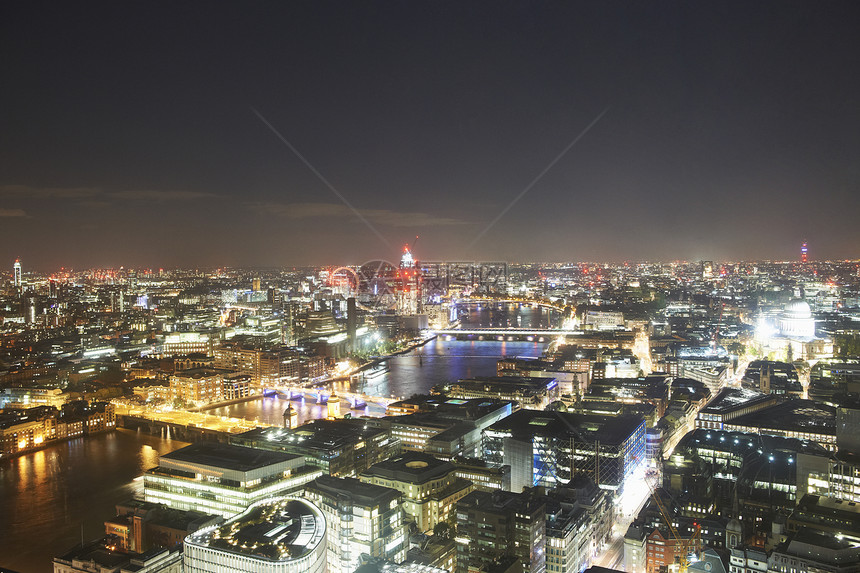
[[610, 430], [361, 493], [274, 530], [793, 415], [411, 467], [227, 456], [731, 399]]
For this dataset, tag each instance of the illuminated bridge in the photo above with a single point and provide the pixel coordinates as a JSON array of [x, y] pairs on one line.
[[321, 396], [530, 334]]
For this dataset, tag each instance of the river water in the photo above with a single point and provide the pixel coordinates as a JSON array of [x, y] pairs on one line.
[[46, 496]]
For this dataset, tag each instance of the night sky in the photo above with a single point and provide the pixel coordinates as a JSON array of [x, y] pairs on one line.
[[128, 134]]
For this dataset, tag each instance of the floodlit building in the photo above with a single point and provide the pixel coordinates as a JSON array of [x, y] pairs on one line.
[[528, 392], [363, 519], [282, 535], [223, 479], [341, 448], [430, 487], [548, 448]]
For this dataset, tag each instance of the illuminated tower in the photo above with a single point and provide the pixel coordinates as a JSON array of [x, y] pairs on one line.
[[804, 254], [408, 295], [17, 276]]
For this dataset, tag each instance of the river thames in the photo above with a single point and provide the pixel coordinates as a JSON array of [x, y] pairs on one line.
[[47, 496]]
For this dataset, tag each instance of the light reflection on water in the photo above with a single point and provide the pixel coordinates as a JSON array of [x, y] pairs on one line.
[[46, 495], [416, 372]]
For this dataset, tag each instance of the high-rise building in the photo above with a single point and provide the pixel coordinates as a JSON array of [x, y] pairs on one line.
[[492, 525], [17, 276], [804, 252], [362, 518]]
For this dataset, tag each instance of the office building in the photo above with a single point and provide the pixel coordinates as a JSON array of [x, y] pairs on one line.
[[223, 479], [281, 535], [362, 518], [430, 487], [810, 551], [445, 428], [341, 448], [549, 448], [528, 392], [501, 524]]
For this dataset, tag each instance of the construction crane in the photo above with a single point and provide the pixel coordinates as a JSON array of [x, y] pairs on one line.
[[687, 546]]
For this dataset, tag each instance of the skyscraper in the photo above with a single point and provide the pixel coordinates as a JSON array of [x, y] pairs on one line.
[[804, 254], [17, 276]]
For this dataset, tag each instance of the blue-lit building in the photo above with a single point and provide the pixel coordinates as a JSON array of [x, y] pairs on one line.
[[546, 448]]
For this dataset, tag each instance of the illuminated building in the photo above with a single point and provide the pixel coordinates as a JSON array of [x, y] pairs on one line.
[[268, 367], [139, 526], [796, 320], [732, 403], [19, 434], [741, 410], [445, 428], [31, 396], [568, 536], [549, 448], [484, 476], [430, 487], [197, 386], [807, 550], [97, 557], [663, 550], [792, 331], [604, 320], [837, 477], [16, 277], [533, 393], [341, 448], [236, 386], [282, 535], [363, 519], [490, 525], [804, 252], [188, 343], [825, 514], [223, 479], [735, 458]]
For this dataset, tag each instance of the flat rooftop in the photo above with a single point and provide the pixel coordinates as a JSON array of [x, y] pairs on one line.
[[361, 493], [411, 467], [611, 430], [744, 442], [731, 399], [792, 415], [236, 458]]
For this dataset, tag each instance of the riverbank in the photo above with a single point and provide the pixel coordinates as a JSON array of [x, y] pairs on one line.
[[381, 359], [52, 443]]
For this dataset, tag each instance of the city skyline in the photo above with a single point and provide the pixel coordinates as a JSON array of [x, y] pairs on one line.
[[154, 135]]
